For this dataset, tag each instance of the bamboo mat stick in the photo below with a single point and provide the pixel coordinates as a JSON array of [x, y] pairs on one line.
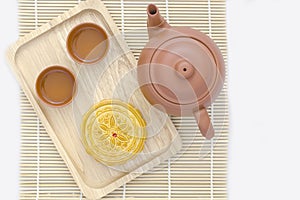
[[199, 171]]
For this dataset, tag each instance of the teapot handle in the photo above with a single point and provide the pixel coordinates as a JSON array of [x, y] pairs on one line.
[[204, 123]]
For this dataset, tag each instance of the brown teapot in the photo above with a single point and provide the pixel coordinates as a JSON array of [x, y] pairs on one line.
[[180, 69]]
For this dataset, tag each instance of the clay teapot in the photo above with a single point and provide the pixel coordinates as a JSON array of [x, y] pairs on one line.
[[180, 69]]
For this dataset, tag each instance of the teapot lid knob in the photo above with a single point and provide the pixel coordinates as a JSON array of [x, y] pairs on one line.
[[184, 69]]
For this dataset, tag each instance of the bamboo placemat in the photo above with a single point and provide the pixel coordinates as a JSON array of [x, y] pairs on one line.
[[199, 171]]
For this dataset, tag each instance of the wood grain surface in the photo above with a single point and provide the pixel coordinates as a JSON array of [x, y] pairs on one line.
[[113, 77]]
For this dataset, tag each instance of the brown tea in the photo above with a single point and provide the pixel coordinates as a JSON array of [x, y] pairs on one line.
[[56, 86], [87, 43]]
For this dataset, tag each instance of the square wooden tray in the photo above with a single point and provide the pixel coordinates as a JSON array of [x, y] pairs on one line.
[[113, 77]]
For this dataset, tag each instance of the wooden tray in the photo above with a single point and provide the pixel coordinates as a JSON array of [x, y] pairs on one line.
[[113, 77]]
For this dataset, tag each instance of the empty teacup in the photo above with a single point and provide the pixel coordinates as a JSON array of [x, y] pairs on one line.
[[56, 86], [87, 43]]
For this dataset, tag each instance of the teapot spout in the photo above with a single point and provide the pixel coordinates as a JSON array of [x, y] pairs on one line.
[[155, 20]]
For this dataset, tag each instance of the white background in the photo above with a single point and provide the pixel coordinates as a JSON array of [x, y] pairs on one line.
[[264, 81]]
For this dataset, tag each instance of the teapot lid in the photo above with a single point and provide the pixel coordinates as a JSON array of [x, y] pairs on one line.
[[182, 70]]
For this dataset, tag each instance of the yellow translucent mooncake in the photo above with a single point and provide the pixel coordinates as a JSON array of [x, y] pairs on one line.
[[113, 132]]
